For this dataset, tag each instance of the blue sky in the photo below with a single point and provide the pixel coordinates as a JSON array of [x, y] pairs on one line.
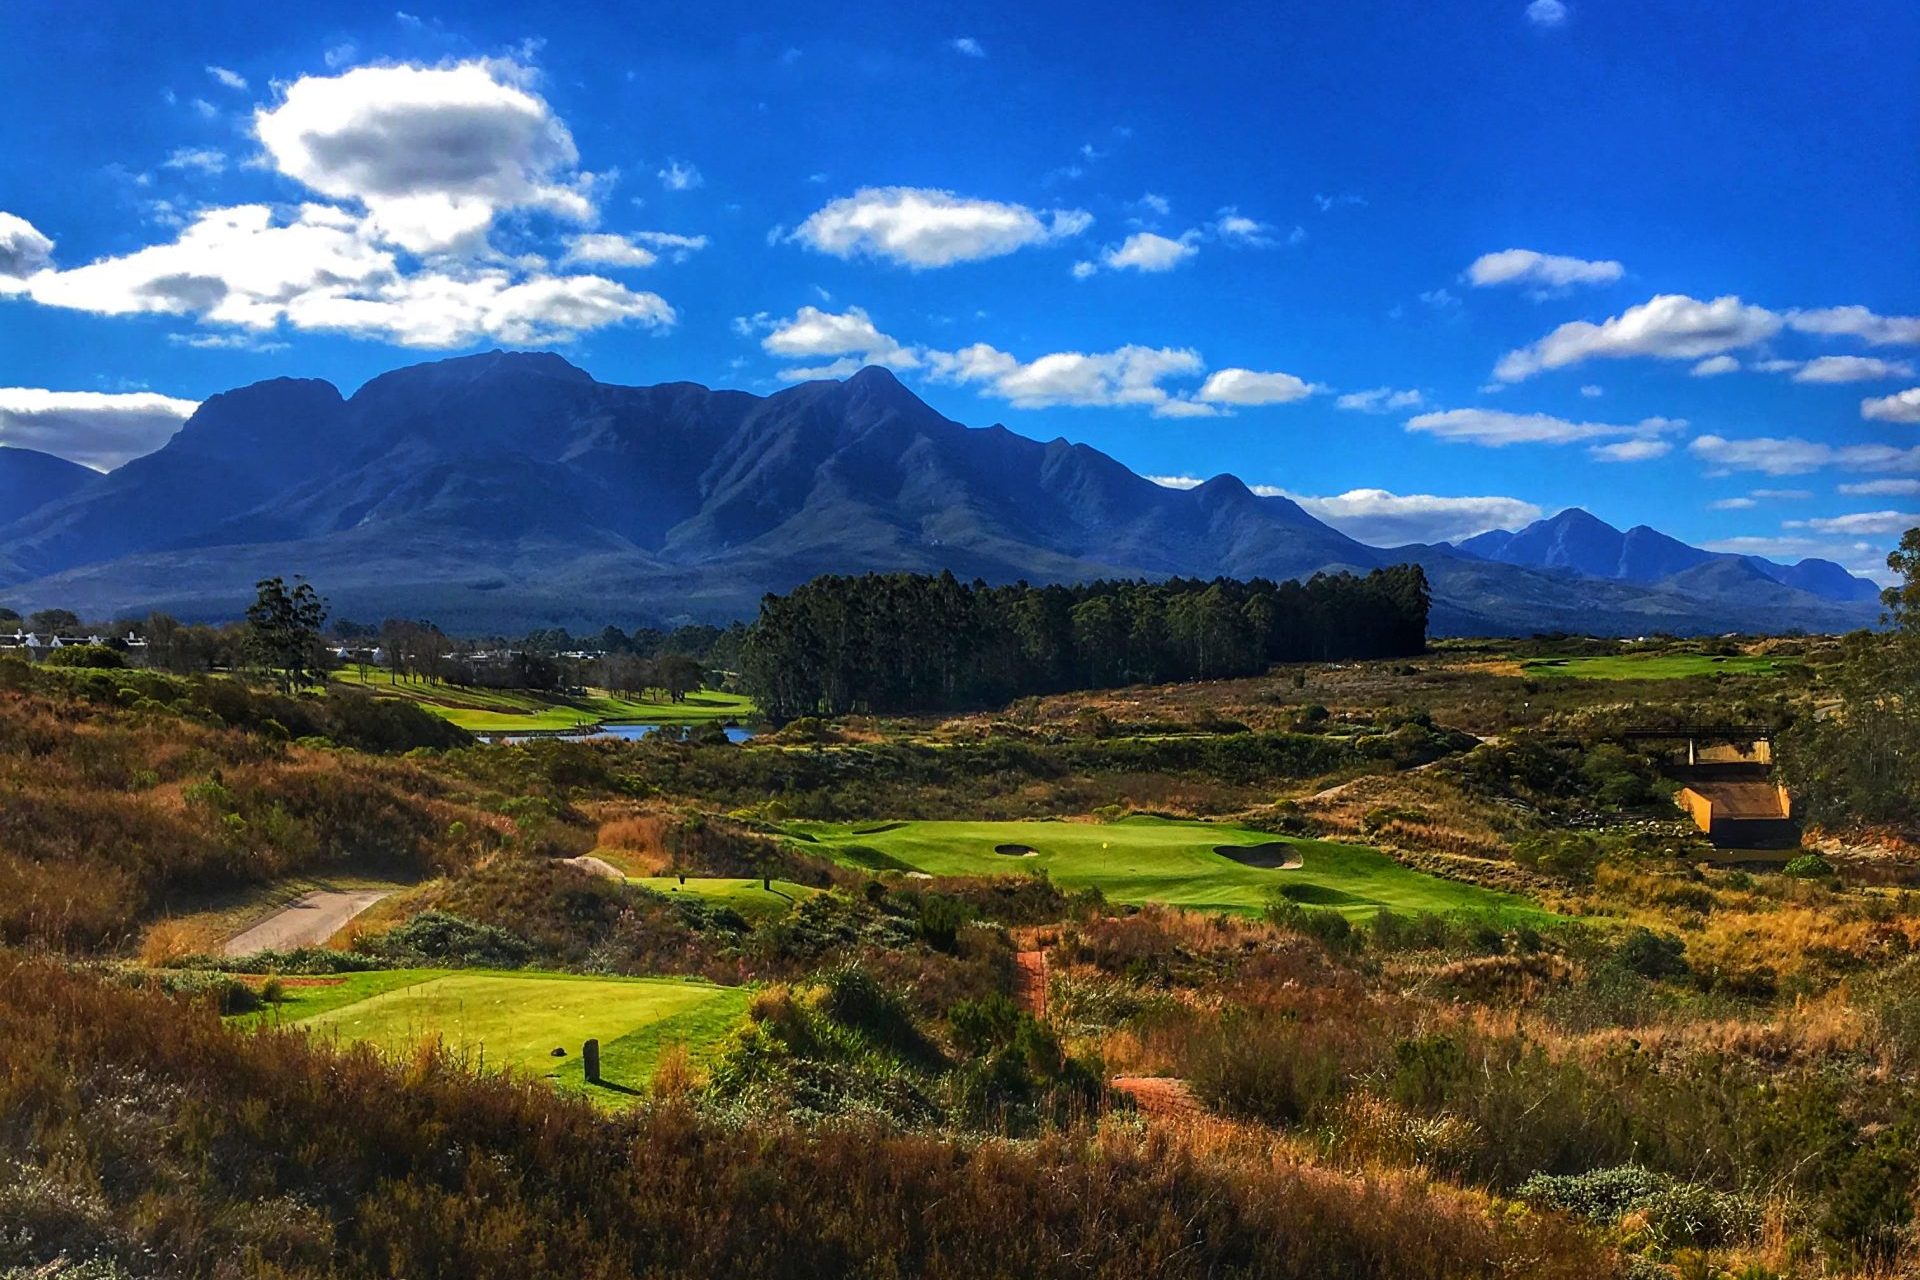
[[1429, 266]]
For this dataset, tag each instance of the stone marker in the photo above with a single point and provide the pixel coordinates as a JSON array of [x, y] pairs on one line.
[[590, 1060]]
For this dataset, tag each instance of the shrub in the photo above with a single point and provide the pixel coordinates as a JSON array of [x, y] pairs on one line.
[[1652, 955], [1324, 925], [1809, 866], [1675, 1212], [448, 939], [91, 657]]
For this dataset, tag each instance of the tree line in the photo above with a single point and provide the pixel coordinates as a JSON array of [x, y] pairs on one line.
[[910, 642]]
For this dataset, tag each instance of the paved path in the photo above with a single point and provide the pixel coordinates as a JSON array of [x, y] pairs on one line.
[[306, 922]]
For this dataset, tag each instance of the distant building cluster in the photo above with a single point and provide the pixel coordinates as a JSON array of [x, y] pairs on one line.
[[33, 645]]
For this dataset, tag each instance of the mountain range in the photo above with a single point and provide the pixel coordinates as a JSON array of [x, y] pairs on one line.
[[509, 490]]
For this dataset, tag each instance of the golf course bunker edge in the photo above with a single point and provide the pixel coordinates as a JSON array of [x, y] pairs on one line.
[[1017, 850], [1275, 855]]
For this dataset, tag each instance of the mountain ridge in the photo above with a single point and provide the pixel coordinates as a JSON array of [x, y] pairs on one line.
[[1575, 539], [503, 490]]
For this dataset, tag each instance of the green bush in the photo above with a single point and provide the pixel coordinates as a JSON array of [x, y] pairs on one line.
[[1809, 866], [1325, 926], [448, 939], [1676, 1213], [90, 657], [1652, 955]]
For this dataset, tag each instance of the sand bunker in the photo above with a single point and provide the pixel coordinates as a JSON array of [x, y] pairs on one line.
[[1275, 856], [1017, 850]]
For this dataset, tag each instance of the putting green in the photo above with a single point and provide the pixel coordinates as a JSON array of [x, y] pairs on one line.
[[1656, 666], [514, 1021], [1144, 860]]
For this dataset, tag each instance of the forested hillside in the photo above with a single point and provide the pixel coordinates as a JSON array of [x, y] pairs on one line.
[[908, 642]]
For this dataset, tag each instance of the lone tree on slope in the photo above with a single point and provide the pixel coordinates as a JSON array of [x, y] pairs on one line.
[[283, 630]]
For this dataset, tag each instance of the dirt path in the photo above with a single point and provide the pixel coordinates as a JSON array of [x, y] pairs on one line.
[[1030, 988], [306, 922], [1158, 1095]]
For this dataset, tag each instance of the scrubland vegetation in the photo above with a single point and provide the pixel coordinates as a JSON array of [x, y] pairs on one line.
[[1399, 967]]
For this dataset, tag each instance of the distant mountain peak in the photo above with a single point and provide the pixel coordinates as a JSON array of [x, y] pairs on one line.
[[1578, 540]]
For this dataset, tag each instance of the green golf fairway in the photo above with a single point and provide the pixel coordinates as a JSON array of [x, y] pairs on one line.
[[1160, 860], [514, 1021], [521, 710], [1656, 666], [743, 895]]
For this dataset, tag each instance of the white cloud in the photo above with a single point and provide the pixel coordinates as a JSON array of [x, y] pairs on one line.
[[92, 428], [1440, 299], [23, 251], [634, 249], [231, 79], [1714, 366], [1130, 375], [1857, 322], [1497, 429], [921, 227], [1882, 489], [1669, 326], [433, 154], [601, 249], [1149, 251], [1245, 387], [1901, 406], [1547, 13], [1084, 269], [440, 310], [1543, 271], [1791, 455], [1381, 518], [1851, 369], [201, 159], [851, 336], [1155, 203], [967, 45], [226, 342], [1234, 227], [1732, 504], [325, 270], [1860, 524], [680, 177], [1380, 400], [1177, 482], [1630, 450]]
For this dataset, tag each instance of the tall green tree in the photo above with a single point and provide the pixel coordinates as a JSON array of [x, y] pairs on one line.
[[283, 631], [1858, 761]]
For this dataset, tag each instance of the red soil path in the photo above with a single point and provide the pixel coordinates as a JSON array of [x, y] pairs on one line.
[[1030, 988]]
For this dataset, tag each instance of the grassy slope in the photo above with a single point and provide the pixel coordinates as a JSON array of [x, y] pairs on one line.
[[1158, 860], [519, 710], [1655, 666], [513, 1021]]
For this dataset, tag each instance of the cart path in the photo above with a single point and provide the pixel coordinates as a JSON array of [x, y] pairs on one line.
[[306, 922]]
